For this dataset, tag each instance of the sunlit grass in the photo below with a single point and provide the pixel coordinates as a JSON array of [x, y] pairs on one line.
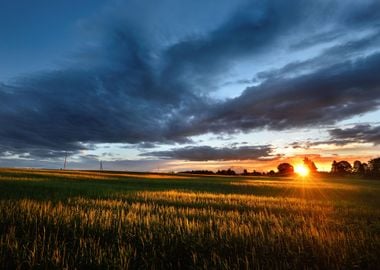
[[192, 222], [298, 183]]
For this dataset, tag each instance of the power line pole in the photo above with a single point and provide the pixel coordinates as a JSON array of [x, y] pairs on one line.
[[65, 162]]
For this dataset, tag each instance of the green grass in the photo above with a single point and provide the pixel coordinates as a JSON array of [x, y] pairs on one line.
[[71, 219]]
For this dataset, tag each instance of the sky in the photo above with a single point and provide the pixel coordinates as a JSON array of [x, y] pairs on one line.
[[178, 85]]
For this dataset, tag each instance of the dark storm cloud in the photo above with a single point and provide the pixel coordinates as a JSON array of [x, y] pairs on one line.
[[59, 110], [139, 85], [323, 97], [205, 153], [344, 50], [360, 133], [363, 133], [254, 28]]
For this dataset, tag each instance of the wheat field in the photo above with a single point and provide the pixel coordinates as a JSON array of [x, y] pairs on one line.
[[107, 220]]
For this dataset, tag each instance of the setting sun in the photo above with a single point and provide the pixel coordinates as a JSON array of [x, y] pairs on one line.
[[301, 170]]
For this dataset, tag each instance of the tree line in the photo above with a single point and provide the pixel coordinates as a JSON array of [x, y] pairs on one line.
[[338, 168], [370, 169]]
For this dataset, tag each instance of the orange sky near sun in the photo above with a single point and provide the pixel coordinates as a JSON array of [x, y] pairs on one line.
[[322, 163]]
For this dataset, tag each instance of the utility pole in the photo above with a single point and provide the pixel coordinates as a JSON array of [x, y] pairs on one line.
[[101, 166], [65, 162]]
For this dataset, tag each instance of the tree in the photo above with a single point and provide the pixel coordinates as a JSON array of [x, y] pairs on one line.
[[226, 172], [365, 167], [341, 167], [310, 165], [374, 166], [358, 168], [256, 173], [285, 169], [334, 168]]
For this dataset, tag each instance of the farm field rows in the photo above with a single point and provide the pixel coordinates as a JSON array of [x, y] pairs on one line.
[[87, 219]]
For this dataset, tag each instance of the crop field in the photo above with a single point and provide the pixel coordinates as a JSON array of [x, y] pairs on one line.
[[99, 220]]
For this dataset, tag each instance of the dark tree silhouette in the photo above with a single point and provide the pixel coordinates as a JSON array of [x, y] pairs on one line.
[[358, 168], [285, 169], [199, 172], [341, 167], [310, 165], [365, 167], [226, 172], [256, 173], [334, 167], [374, 166]]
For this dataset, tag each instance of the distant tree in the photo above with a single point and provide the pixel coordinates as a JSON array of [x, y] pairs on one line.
[[245, 172], [310, 165], [271, 173], [358, 168], [199, 172], [374, 166], [365, 168], [341, 167], [256, 173], [285, 169], [334, 167], [226, 172], [231, 172]]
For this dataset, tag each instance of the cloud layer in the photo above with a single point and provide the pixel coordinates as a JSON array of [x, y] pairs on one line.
[[362, 133], [150, 77], [206, 153]]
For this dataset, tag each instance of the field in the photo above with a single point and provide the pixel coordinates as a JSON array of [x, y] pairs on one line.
[[72, 219]]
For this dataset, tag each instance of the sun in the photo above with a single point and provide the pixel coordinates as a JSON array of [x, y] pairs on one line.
[[301, 170]]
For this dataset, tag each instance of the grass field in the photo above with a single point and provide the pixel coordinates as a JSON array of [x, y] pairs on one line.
[[71, 219]]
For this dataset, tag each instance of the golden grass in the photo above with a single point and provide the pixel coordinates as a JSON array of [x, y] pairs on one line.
[[179, 229], [297, 183], [101, 175]]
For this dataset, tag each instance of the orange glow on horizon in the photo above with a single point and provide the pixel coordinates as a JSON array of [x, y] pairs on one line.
[[323, 163]]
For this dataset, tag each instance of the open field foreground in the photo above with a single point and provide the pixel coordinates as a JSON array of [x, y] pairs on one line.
[[70, 219]]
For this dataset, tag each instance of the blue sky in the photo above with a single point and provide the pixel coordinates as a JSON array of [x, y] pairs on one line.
[[37, 35], [175, 85]]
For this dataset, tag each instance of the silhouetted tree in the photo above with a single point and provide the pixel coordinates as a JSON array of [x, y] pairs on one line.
[[226, 172], [358, 168], [341, 167], [245, 172], [285, 169], [256, 173], [334, 167], [374, 166], [231, 172], [365, 167], [310, 165], [199, 172]]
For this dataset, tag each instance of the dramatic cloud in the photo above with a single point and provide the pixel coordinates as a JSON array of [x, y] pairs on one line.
[[363, 133], [324, 97], [308, 144], [205, 153], [360, 133], [151, 72]]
